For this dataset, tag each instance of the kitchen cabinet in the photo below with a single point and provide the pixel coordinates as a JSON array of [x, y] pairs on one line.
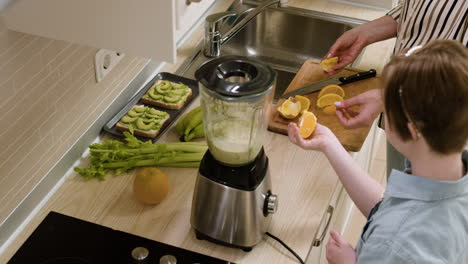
[[145, 28]]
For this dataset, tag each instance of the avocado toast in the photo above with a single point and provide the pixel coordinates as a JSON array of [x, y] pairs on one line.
[[143, 121], [167, 94]]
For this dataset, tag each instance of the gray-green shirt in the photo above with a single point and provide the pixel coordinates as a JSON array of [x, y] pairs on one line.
[[418, 221]]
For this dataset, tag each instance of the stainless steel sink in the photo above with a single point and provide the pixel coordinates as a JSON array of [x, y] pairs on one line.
[[281, 37]]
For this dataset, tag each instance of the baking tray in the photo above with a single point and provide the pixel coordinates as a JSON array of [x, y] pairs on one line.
[[109, 127]]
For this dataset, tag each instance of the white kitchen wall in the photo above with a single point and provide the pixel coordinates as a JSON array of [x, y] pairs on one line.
[[48, 98], [3, 4]]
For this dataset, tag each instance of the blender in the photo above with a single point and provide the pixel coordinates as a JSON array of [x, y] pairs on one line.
[[232, 201]]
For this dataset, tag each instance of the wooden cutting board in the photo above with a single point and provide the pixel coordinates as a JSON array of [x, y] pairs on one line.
[[311, 72]]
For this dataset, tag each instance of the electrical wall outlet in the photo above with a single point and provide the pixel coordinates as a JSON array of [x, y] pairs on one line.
[[105, 61]]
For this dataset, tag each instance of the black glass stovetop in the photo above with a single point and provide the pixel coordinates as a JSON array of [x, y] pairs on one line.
[[62, 239]]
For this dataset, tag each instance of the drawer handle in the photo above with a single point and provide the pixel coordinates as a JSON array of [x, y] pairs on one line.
[[318, 241]]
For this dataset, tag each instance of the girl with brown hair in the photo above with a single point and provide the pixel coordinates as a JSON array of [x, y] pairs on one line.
[[422, 217]]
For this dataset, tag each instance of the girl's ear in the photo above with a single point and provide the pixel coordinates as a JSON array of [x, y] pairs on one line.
[[415, 135]]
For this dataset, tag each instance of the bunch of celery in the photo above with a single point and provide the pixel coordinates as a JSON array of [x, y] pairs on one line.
[[121, 157]]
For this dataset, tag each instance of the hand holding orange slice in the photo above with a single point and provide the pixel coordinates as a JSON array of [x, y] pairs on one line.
[[327, 64], [307, 124]]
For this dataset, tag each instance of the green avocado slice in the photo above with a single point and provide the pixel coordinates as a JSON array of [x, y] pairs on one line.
[[153, 116], [139, 109], [177, 86], [154, 95], [153, 111], [133, 113], [172, 98], [127, 119], [156, 126], [163, 87], [141, 125], [148, 120]]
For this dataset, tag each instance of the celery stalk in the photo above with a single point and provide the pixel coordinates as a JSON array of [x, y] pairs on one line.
[[117, 156]]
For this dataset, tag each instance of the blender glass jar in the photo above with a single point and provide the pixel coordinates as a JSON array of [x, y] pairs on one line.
[[236, 94]]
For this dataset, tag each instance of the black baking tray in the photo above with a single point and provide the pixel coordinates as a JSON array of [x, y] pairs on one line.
[[136, 99]]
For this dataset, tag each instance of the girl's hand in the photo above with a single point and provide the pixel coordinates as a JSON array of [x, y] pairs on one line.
[[339, 251], [321, 139], [370, 106]]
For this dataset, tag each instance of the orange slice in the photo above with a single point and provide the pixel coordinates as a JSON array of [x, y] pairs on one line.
[[328, 99], [289, 109], [330, 109], [307, 124], [327, 64], [305, 102], [332, 89]]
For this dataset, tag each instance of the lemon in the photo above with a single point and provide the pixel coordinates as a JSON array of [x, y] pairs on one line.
[[290, 109], [305, 102], [328, 99], [327, 64], [150, 186], [332, 89], [307, 124]]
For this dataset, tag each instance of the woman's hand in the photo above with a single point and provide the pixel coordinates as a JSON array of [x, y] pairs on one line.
[[347, 48], [339, 251], [352, 42], [370, 106], [321, 139]]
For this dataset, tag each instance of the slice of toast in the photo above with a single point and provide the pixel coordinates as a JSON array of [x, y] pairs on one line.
[[151, 133], [147, 99]]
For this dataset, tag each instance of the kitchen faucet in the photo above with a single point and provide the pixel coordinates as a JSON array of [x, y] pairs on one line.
[[213, 38]]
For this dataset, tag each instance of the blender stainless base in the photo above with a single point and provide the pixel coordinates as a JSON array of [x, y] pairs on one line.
[[230, 216]]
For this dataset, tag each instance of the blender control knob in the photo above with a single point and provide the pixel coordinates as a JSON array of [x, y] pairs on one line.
[[168, 259], [272, 203], [140, 254]]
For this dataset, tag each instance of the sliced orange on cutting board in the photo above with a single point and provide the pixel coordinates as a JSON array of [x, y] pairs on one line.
[[290, 109], [332, 89], [328, 99], [294, 106], [305, 102], [307, 124], [329, 109]]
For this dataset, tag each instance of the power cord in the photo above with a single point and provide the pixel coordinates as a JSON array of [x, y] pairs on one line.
[[286, 246]]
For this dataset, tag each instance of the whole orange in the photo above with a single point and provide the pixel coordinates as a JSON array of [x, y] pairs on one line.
[[150, 186]]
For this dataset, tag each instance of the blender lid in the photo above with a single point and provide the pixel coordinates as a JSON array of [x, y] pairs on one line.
[[236, 76]]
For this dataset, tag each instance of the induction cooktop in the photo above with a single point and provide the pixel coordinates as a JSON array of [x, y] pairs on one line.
[[62, 239]]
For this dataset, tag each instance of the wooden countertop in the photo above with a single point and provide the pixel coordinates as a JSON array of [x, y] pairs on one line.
[[303, 181]]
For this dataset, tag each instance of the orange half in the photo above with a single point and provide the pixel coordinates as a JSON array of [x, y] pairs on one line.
[[289, 109]]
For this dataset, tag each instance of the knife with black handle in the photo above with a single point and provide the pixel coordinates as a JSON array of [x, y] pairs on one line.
[[333, 80]]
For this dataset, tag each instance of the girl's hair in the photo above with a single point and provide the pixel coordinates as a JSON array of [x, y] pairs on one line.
[[429, 88]]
